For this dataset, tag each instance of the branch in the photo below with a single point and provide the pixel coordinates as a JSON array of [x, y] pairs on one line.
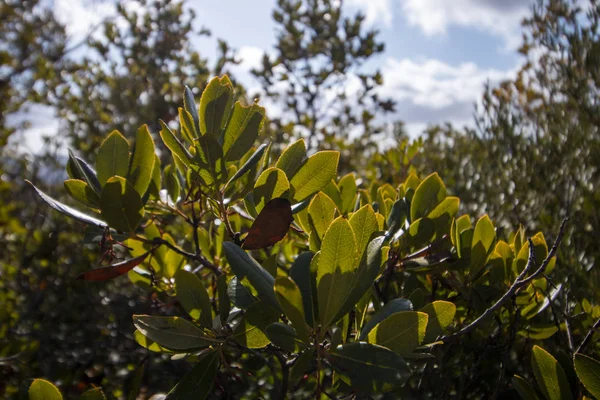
[[588, 337], [196, 257], [518, 283]]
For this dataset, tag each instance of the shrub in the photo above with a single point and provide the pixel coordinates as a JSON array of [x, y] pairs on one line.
[[277, 278]]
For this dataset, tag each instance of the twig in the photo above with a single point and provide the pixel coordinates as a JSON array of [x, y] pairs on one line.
[[285, 374], [518, 283], [196, 257], [588, 337]]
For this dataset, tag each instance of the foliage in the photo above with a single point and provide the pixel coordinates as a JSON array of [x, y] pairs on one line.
[[373, 288], [319, 54], [33, 45], [133, 71], [533, 158]]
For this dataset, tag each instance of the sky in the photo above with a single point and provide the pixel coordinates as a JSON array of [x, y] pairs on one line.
[[438, 56]]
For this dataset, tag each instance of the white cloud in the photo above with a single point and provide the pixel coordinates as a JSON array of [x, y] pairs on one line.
[[433, 17], [79, 16], [250, 56], [376, 11], [431, 91], [499, 17]]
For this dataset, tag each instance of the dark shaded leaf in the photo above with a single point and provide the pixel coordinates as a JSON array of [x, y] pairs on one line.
[[368, 367], [198, 383]]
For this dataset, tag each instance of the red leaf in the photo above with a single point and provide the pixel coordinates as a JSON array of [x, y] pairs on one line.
[[112, 271], [271, 224]]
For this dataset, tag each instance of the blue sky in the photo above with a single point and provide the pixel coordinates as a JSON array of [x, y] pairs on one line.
[[439, 53]]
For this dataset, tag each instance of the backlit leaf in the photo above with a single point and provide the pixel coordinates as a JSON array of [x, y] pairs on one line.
[[193, 296], [549, 375], [401, 332], [292, 158], [427, 196], [588, 372], [113, 157], [41, 389], [242, 130], [142, 161], [318, 170], [271, 184], [121, 205], [335, 273], [215, 106]]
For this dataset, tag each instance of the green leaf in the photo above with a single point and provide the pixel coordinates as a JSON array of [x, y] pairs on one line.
[[272, 183], [335, 273], [448, 206], [290, 299], [142, 161], [441, 315], [364, 276], [401, 332], [150, 344], [177, 148], [525, 390], [190, 106], [68, 211], [540, 249], [292, 158], [368, 367], [239, 294], [209, 164], [284, 336], [348, 192], [301, 274], [113, 157], [427, 196], [242, 130], [79, 169], [549, 375], [197, 384], [172, 182], [397, 217], [172, 332], [186, 122], [389, 308], [41, 389], [364, 224], [121, 205], [588, 372], [483, 240], [243, 265], [193, 297], [250, 330], [93, 394], [539, 332], [321, 212], [332, 190], [535, 306], [82, 192], [155, 182], [252, 161], [318, 170], [215, 106]]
